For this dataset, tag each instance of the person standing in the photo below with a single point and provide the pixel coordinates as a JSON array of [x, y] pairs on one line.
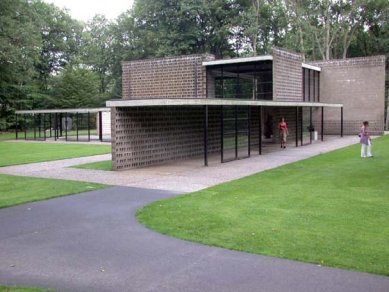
[[283, 129], [365, 140]]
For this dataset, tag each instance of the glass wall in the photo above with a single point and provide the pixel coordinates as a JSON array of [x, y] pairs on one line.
[[311, 85], [252, 80]]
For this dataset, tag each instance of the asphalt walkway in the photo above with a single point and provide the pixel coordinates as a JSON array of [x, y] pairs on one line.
[[92, 242]]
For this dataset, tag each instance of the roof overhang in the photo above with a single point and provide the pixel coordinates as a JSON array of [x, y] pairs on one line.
[[238, 60], [70, 110], [214, 102], [315, 68]]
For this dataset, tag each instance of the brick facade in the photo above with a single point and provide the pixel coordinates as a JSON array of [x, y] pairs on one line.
[[172, 77], [358, 83], [153, 135], [287, 76]]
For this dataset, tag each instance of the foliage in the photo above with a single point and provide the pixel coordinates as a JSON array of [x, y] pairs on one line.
[[19, 289], [21, 153], [329, 210], [44, 52]]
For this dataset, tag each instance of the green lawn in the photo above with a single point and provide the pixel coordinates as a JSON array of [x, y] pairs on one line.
[[331, 210], [12, 153], [15, 190], [19, 289], [101, 165], [7, 136]]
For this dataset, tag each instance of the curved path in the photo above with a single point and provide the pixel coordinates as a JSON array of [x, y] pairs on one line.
[[92, 242]]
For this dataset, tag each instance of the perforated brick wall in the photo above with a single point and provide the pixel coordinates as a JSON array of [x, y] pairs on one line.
[[172, 77], [148, 136], [287, 76], [358, 83]]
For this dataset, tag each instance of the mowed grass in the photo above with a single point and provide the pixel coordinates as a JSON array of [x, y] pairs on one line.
[[12, 153], [331, 210], [15, 190], [100, 165], [20, 289]]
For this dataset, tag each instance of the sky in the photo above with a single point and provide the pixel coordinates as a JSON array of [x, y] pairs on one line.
[[86, 9]]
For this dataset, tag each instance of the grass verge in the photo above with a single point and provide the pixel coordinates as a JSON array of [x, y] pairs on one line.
[[331, 210], [101, 165], [15, 190], [20, 153], [20, 289]]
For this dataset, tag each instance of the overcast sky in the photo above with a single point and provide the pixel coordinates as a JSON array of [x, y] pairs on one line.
[[86, 9]]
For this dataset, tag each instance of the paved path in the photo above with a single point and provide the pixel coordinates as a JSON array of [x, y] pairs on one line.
[[92, 242], [183, 176]]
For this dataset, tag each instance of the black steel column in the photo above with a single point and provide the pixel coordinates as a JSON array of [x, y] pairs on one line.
[[51, 123], [221, 135], [77, 126], [88, 127], [322, 123], [16, 126], [341, 121], [236, 132], [55, 126], [66, 126], [205, 135], [249, 130], [260, 131], [34, 126], [25, 127], [310, 125], [301, 126], [318, 87], [100, 126], [39, 125], [44, 126], [297, 126], [222, 76]]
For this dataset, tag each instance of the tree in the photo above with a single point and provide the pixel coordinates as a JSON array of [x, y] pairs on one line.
[[18, 52], [76, 87]]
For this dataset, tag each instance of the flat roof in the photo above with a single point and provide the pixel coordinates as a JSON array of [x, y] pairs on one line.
[[213, 101], [238, 60], [69, 110], [311, 67]]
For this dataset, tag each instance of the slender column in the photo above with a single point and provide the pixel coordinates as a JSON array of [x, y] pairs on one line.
[[100, 126], [16, 126], [341, 121], [260, 131], [322, 123], [222, 76], [297, 126], [25, 127], [51, 123], [249, 130], [34, 126], [88, 126], [301, 126], [39, 125], [44, 126], [236, 132], [55, 126], [221, 135], [310, 125], [66, 126], [205, 135], [77, 126], [318, 86]]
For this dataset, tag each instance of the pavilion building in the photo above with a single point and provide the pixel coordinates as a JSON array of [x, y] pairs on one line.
[[176, 108]]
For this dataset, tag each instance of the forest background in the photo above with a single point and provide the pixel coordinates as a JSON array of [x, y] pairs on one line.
[[49, 60]]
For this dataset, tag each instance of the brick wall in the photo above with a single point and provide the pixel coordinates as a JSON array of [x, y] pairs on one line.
[[172, 77], [153, 135], [287, 76], [358, 83]]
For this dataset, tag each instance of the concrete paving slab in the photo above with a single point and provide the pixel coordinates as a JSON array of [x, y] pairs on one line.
[[182, 176], [92, 242]]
